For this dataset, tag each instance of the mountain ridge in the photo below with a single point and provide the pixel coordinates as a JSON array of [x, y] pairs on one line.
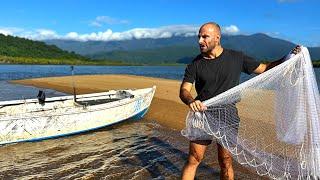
[[259, 46]]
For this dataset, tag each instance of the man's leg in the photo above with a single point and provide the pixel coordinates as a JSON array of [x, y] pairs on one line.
[[196, 154], [225, 162]]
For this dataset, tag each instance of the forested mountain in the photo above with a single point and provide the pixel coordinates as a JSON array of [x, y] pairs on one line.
[[178, 49], [93, 47]]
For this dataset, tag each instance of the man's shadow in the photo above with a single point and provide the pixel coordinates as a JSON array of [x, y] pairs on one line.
[[162, 160]]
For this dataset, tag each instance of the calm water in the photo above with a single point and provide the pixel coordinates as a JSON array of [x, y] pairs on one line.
[[131, 150], [13, 72], [9, 72]]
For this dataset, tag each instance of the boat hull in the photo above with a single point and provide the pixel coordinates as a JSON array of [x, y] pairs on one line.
[[63, 118]]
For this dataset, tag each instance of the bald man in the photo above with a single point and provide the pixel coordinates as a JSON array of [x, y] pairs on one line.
[[214, 71]]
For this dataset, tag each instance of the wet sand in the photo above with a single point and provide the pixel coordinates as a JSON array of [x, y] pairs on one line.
[[166, 110]]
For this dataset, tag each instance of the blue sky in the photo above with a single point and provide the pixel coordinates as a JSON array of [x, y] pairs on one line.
[[293, 20]]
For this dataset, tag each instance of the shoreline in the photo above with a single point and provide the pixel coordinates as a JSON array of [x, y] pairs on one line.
[[315, 64], [92, 64]]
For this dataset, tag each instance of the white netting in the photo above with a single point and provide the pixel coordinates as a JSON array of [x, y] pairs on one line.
[[269, 123]]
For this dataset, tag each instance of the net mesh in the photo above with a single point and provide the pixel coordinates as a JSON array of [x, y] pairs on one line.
[[269, 123]]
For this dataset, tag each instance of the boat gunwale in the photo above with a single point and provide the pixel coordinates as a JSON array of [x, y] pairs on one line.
[[110, 105], [64, 98]]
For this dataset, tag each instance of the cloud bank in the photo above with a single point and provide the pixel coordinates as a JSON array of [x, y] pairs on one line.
[[109, 35], [10, 30]]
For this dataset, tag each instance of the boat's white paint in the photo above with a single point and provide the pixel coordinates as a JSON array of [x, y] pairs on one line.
[[27, 120]]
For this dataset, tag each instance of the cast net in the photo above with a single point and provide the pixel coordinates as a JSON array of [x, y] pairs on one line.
[[269, 123]]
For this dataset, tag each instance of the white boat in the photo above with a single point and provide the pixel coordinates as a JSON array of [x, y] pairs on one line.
[[31, 120]]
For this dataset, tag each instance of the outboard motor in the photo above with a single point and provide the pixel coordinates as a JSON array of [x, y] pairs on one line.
[[41, 97]]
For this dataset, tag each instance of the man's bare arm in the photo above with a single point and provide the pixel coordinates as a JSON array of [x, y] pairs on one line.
[[186, 97], [265, 67], [185, 93]]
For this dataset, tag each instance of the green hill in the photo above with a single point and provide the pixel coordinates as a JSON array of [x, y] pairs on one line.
[[16, 50], [20, 47]]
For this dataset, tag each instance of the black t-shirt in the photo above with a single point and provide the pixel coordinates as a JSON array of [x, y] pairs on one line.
[[214, 76]]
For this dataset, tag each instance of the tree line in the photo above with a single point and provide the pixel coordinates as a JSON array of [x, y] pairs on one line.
[[20, 47]]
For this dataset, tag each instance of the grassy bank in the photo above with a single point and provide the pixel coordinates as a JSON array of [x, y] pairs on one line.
[[316, 63], [52, 61]]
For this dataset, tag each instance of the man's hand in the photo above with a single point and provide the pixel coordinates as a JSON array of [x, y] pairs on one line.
[[293, 52], [296, 50], [186, 97], [197, 106]]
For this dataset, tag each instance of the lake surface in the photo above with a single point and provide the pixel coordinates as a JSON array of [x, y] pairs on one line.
[[130, 150], [10, 72], [13, 72]]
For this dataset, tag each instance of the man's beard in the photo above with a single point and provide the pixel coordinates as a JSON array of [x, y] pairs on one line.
[[207, 50]]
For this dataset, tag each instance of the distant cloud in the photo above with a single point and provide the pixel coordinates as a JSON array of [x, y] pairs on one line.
[[136, 33], [10, 30], [101, 20], [141, 33], [5, 32], [230, 30], [40, 34], [109, 35]]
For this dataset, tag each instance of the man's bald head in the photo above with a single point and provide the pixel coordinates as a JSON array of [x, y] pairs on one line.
[[211, 26], [209, 38]]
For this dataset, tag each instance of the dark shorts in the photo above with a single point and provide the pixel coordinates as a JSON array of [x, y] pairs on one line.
[[223, 118], [202, 142]]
